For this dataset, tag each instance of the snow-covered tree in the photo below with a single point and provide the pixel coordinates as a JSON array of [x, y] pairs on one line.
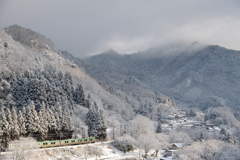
[[141, 126], [5, 128], [47, 117], [35, 118], [21, 123], [10, 122], [161, 140], [16, 129], [50, 94], [44, 116], [43, 129], [20, 92], [101, 126], [88, 101], [91, 122], [41, 93], [146, 143], [78, 96], [58, 116], [52, 124], [32, 122], [67, 123], [67, 84], [24, 113]]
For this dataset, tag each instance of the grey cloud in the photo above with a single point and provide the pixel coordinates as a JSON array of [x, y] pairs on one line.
[[91, 27]]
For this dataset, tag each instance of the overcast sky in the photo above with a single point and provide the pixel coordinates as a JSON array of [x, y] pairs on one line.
[[127, 26]]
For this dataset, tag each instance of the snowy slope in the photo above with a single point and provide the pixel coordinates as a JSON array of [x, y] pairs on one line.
[[119, 104], [186, 73]]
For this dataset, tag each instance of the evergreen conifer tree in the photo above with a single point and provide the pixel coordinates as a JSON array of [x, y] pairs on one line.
[[67, 123], [31, 121], [67, 88], [10, 122], [5, 128], [16, 130], [43, 129], [101, 126], [91, 122], [37, 127], [41, 93], [79, 96], [52, 124], [44, 117], [47, 118], [24, 113], [21, 123], [58, 117], [88, 101]]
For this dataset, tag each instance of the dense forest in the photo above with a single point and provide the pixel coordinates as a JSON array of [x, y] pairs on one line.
[[49, 96]]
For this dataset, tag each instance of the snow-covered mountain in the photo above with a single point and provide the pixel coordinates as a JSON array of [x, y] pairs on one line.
[[39, 54], [189, 73]]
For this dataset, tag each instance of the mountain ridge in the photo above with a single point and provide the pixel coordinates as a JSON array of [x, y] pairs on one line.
[[192, 75]]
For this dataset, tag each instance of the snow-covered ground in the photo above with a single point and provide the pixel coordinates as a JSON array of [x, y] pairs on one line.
[[99, 150]]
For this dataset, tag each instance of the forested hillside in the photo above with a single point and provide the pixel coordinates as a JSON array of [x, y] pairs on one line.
[[191, 74], [49, 94], [40, 78]]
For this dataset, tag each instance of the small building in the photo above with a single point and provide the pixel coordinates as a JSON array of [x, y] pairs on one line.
[[176, 146]]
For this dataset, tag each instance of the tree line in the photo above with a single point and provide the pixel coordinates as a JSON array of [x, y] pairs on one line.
[[49, 86], [47, 124], [38, 90], [96, 123]]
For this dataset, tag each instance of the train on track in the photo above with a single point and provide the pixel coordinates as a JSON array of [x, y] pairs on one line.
[[57, 143]]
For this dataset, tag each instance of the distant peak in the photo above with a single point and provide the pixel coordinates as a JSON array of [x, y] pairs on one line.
[[110, 52]]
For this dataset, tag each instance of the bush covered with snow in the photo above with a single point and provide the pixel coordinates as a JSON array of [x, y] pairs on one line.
[[124, 144]]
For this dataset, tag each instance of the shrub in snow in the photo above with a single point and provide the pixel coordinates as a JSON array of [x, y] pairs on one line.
[[125, 144]]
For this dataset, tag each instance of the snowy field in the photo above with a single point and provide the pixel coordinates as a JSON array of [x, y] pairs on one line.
[[99, 150]]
